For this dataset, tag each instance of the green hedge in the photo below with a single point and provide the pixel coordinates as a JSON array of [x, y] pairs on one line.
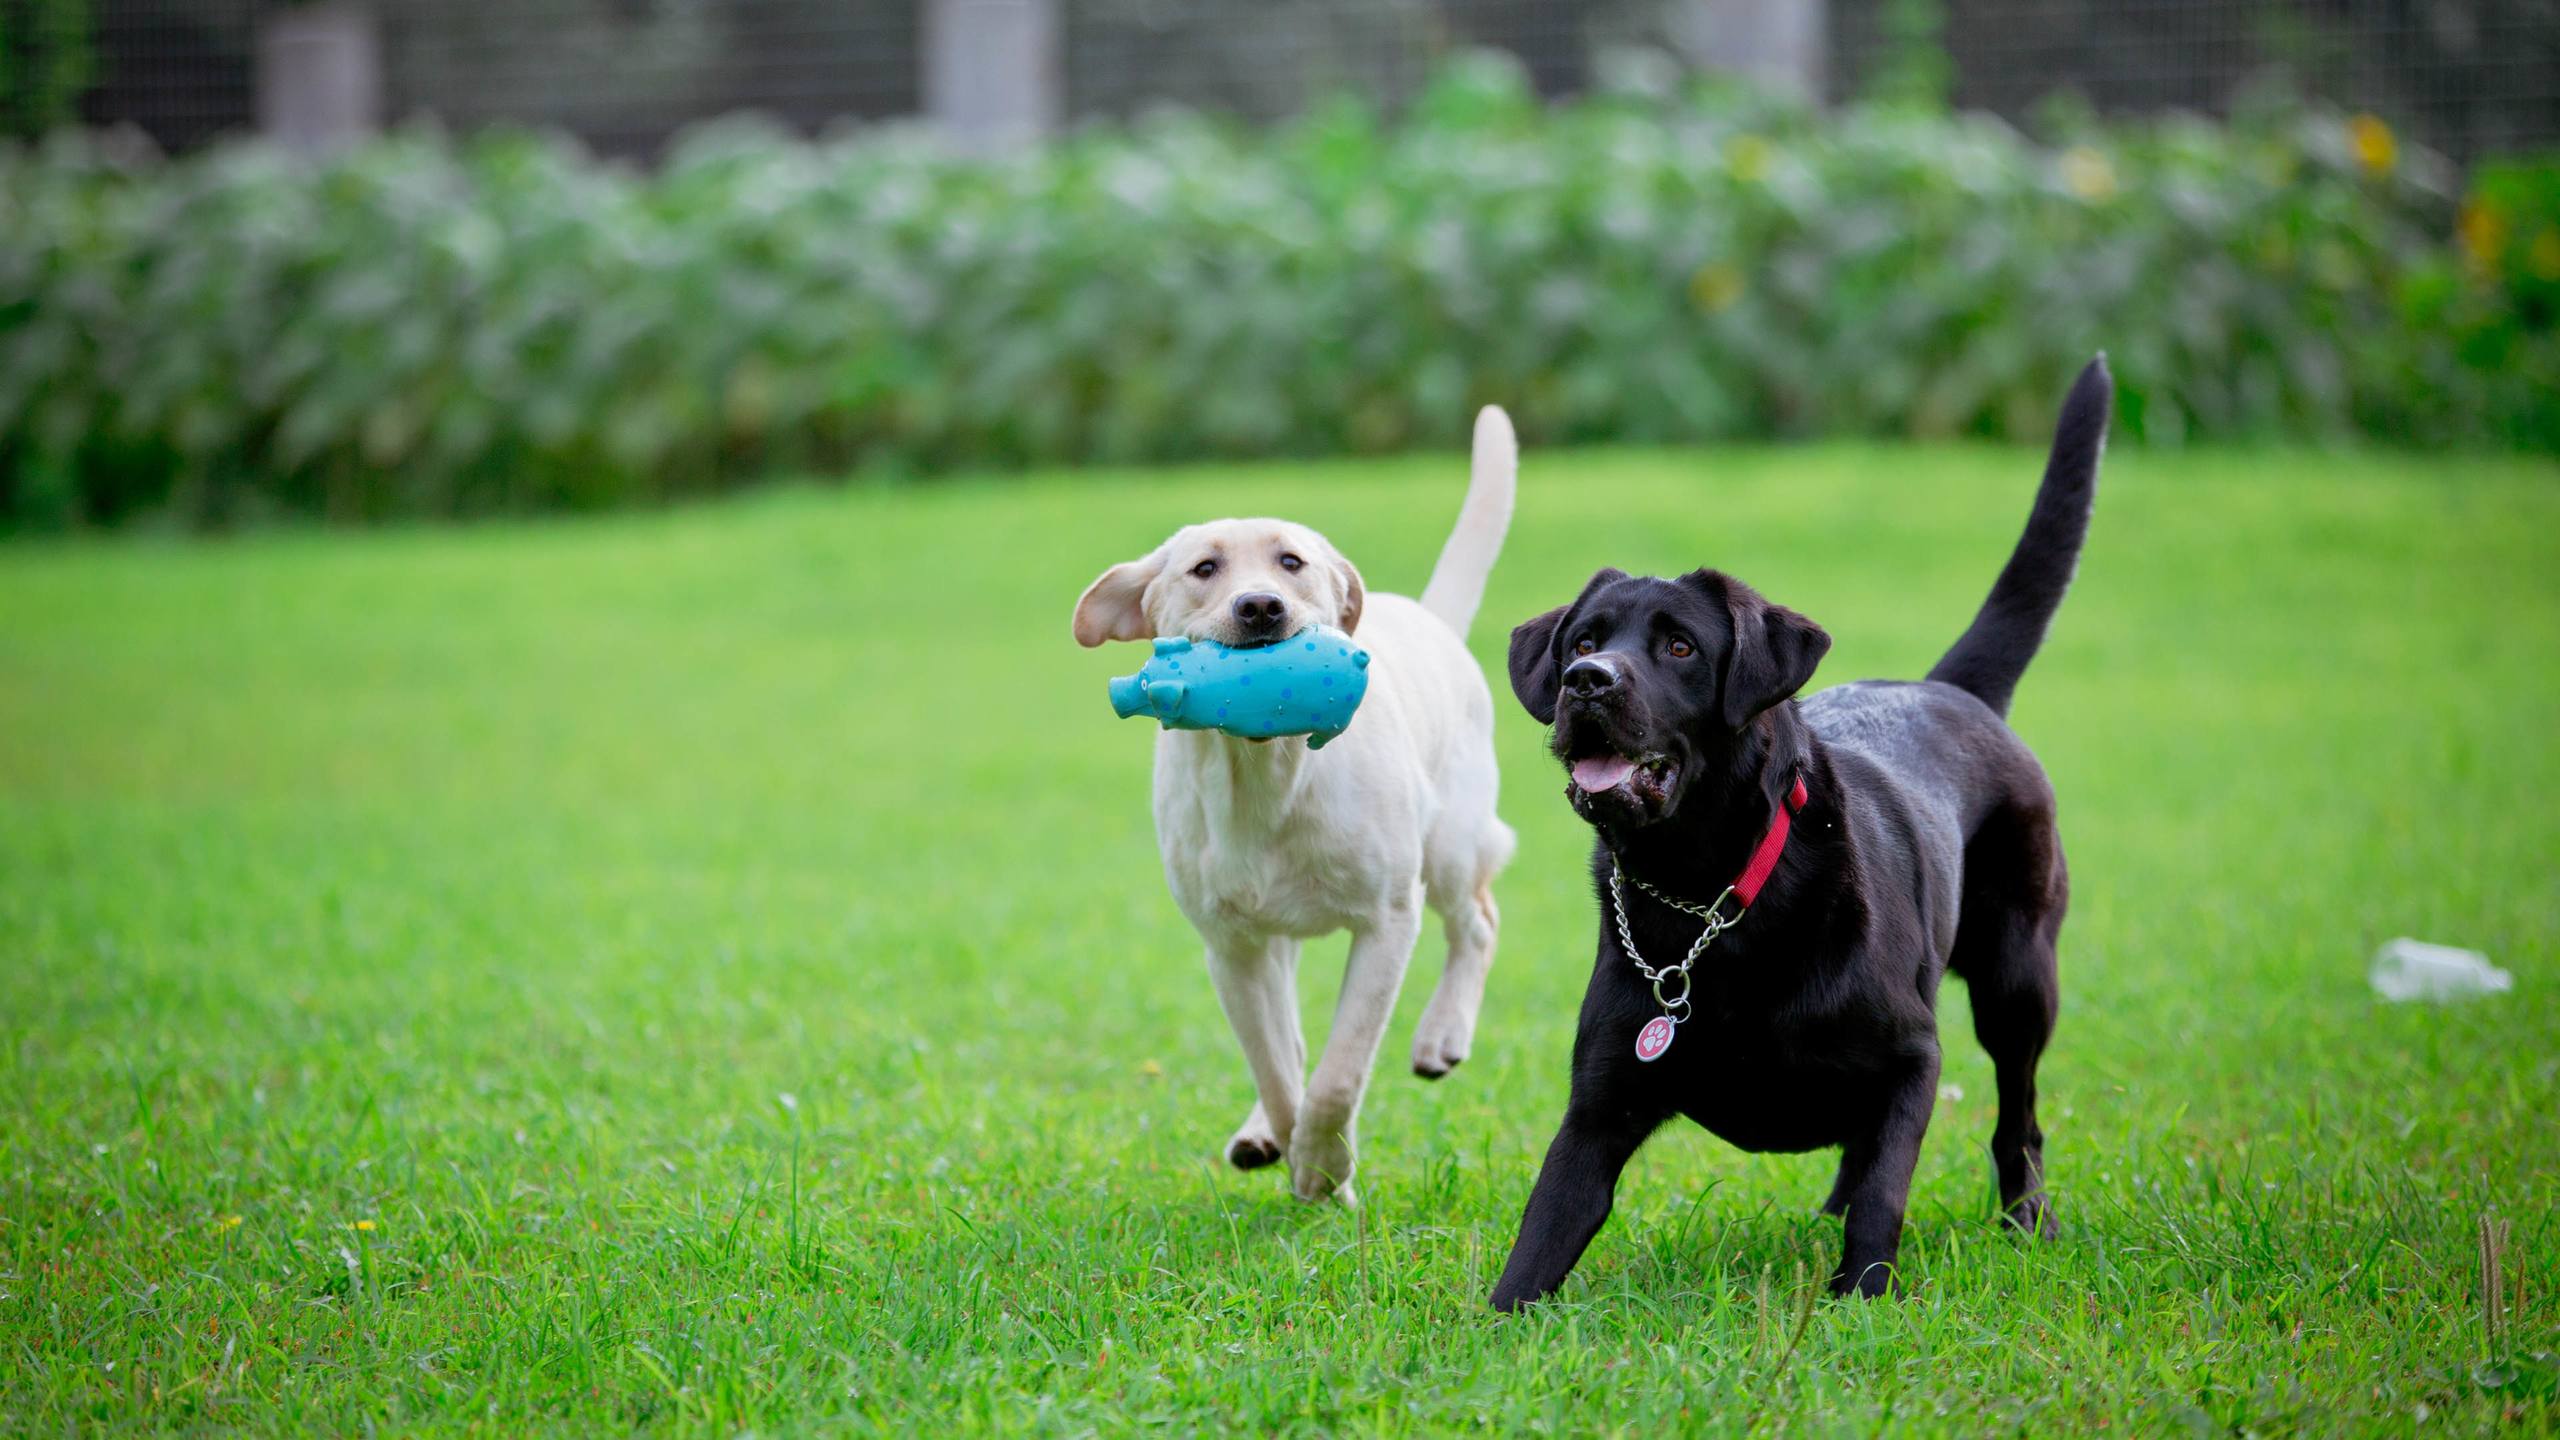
[[434, 327]]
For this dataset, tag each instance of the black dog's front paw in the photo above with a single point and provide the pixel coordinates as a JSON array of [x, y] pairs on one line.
[[1867, 1282], [2033, 1218]]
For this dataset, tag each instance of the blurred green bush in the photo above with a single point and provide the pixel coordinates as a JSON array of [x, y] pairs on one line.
[[48, 55], [435, 327]]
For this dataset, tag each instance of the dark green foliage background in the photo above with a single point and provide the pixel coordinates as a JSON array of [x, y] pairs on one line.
[[430, 326], [47, 58]]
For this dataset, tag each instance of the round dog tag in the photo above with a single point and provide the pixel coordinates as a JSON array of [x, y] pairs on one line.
[[1654, 1038]]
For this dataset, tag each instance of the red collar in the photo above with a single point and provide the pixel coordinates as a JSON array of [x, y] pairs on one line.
[[1773, 842], [1746, 888]]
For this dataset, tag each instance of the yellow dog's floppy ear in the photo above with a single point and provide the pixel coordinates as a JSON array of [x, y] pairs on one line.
[[1355, 592], [1114, 606]]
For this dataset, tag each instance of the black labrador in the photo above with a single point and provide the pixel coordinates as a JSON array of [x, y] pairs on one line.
[[1838, 854]]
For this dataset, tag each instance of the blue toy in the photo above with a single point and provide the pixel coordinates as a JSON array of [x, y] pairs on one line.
[[1306, 685]]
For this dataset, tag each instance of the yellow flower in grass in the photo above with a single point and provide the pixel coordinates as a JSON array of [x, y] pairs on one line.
[[2484, 235], [226, 1222], [1748, 157], [2088, 174], [1716, 286], [364, 1224], [2544, 258], [2376, 148]]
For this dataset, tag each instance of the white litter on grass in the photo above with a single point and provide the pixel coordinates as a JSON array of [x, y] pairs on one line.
[[2407, 969]]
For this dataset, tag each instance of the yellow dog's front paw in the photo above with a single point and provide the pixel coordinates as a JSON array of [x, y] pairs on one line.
[[1320, 1165]]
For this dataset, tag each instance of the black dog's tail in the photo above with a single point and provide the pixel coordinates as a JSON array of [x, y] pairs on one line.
[[1993, 651]]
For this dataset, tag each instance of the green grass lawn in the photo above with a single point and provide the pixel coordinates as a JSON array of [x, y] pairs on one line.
[[709, 971]]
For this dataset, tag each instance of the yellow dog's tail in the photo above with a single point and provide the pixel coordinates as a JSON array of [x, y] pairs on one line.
[[1457, 582]]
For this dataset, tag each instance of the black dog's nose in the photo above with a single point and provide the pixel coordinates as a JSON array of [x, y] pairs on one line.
[[1260, 610], [1589, 676]]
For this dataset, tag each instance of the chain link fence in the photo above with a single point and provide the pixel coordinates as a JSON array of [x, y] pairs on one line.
[[2469, 76]]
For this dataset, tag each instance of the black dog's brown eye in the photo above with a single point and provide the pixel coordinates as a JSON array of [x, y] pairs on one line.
[[1205, 569], [1680, 648], [1584, 646], [1291, 562]]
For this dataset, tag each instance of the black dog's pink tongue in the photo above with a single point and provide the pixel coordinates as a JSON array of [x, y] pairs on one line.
[[1602, 772]]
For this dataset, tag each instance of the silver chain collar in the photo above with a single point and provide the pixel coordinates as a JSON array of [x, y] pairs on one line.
[[1674, 1005]]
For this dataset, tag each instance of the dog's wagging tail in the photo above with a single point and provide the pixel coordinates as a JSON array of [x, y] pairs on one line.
[[1456, 586], [1994, 650]]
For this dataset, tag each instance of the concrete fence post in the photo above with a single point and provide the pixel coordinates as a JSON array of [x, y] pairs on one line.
[[319, 76], [1780, 43], [994, 73]]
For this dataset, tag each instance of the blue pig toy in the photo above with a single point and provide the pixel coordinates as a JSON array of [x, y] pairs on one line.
[[1305, 685]]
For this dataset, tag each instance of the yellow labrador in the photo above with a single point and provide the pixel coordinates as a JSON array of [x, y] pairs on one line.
[[1267, 844]]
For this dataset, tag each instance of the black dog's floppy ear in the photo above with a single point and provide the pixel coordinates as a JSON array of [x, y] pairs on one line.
[[1775, 651], [1533, 663], [1537, 671]]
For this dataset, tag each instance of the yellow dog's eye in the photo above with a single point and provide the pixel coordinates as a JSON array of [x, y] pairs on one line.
[[1205, 569], [1680, 648], [1291, 562]]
